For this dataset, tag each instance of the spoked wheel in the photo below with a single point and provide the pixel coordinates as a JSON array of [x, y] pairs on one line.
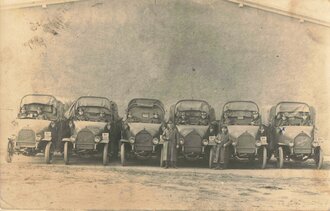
[[161, 157], [49, 152], [263, 157], [319, 158], [122, 154], [211, 159], [280, 157], [10, 152], [105, 154], [67, 153]]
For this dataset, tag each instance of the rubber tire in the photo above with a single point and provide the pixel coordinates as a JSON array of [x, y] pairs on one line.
[[263, 158], [320, 159], [161, 157], [105, 157], [211, 159], [49, 150], [66, 153], [280, 158], [9, 155], [122, 154]]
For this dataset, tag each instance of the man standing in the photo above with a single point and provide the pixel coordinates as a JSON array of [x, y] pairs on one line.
[[171, 138], [114, 147]]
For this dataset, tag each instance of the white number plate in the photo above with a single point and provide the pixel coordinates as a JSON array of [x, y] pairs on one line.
[[263, 140], [145, 115], [211, 138], [105, 136], [48, 134]]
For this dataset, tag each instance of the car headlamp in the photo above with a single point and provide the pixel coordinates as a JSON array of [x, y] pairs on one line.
[[97, 139], [205, 142], [38, 137], [315, 144], [291, 144], [258, 143], [155, 141], [234, 143], [181, 141], [131, 140]]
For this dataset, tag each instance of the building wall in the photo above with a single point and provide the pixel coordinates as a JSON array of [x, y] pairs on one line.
[[169, 50]]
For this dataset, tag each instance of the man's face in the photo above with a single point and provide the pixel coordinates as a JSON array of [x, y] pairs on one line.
[[304, 116], [224, 130], [156, 116], [183, 115], [204, 115], [23, 111], [39, 111], [262, 129], [101, 114], [171, 125], [80, 112]]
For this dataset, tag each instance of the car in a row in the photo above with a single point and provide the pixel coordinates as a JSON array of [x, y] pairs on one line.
[[91, 125]]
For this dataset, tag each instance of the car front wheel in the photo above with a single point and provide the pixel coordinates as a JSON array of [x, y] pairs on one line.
[[105, 154], [263, 157], [49, 152], [122, 154], [319, 158], [280, 158], [67, 153], [10, 152]]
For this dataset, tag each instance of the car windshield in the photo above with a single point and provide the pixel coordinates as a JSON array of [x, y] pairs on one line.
[[192, 112], [241, 113], [145, 111], [96, 109], [143, 114], [37, 111], [293, 114]]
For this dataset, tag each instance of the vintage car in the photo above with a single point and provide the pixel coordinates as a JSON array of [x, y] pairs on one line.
[[87, 119], [193, 120], [246, 132], [293, 132], [37, 127], [141, 129]]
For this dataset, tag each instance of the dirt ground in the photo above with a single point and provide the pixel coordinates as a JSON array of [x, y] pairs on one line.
[[28, 183]]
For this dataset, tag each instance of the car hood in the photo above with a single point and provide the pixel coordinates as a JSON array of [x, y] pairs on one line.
[[184, 130], [95, 127], [290, 132], [236, 130], [36, 125], [135, 128]]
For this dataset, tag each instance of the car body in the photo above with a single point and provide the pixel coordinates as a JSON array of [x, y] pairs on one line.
[[247, 134], [87, 134], [193, 129], [293, 132], [36, 133], [141, 129]]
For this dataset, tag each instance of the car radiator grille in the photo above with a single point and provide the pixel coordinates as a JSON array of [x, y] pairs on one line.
[[302, 144], [26, 138], [143, 141], [246, 143], [85, 140], [193, 143]]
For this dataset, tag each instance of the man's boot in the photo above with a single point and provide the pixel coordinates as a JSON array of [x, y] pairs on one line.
[[166, 165], [174, 165]]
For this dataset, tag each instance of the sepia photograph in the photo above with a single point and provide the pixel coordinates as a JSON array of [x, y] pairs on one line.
[[165, 104]]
